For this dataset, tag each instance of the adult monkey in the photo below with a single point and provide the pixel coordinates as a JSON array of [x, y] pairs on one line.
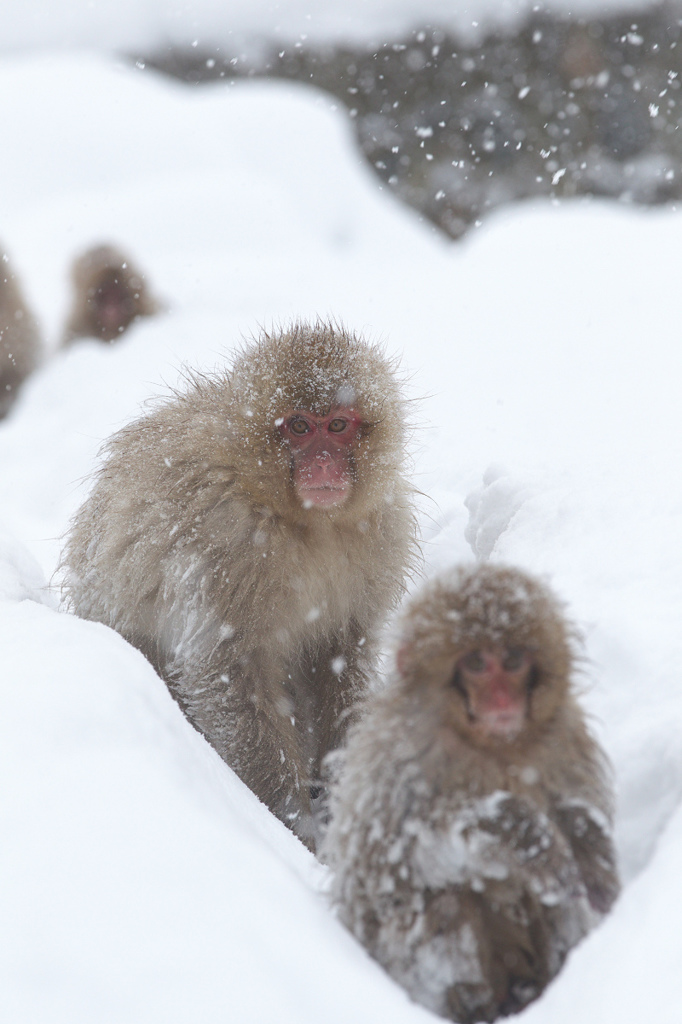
[[250, 537]]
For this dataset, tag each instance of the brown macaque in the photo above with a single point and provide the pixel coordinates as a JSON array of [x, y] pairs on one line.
[[250, 537], [471, 814], [21, 347], [110, 294]]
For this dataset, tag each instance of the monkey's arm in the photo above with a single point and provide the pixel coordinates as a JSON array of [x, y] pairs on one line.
[[588, 833], [506, 838], [581, 805], [335, 676], [516, 889], [255, 733]]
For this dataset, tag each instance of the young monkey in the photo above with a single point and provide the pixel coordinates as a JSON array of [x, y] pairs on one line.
[[471, 822]]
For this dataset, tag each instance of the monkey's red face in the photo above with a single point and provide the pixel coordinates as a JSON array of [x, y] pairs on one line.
[[321, 452], [495, 684], [114, 305]]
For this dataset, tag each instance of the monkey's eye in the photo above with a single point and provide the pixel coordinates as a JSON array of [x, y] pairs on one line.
[[299, 426], [338, 425], [514, 659], [473, 661]]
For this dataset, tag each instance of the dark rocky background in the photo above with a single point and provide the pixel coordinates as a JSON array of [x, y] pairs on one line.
[[561, 107]]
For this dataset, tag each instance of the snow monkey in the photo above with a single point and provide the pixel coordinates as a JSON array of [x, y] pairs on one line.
[[471, 818], [249, 537], [21, 347], [110, 294]]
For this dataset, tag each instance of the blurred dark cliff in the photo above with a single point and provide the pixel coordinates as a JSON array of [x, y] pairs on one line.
[[561, 107]]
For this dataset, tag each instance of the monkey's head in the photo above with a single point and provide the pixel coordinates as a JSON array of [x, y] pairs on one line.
[[112, 291], [111, 300], [322, 423], [490, 647]]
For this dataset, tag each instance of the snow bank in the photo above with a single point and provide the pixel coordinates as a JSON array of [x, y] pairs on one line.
[[140, 879]]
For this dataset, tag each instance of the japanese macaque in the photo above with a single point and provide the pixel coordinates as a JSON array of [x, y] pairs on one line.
[[110, 294], [470, 825], [21, 348], [249, 537]]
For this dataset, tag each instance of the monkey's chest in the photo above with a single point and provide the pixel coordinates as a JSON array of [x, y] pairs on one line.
[[320, 590]]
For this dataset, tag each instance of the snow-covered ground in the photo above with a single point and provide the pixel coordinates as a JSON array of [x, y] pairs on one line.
[[140, 881]]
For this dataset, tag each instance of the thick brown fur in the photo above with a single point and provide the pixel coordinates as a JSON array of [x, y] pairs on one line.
[[469, 866], [101, 267], [261, 615], [21, 348]]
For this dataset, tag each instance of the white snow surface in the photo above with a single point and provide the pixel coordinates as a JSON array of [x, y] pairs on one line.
[[149, 25], [141, 881]]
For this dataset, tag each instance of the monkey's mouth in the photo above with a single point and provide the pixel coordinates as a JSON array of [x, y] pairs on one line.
[[504, 724], [323, 495]]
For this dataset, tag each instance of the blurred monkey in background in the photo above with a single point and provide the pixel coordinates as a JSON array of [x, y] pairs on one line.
[[110, 294]]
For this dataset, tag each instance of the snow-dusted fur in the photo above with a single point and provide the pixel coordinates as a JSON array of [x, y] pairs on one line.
[[21, 348], [260, 614], [470, 867]]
